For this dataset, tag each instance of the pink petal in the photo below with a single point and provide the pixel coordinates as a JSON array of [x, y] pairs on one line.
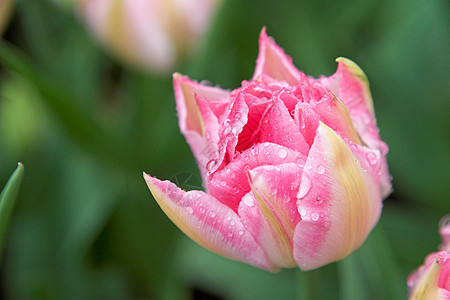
[[187, 109], [279, 127], [270, 211], [190, 116], [444, 231], [208, 222], [273, 62], [351, 86], [230, 184], [339, 201]]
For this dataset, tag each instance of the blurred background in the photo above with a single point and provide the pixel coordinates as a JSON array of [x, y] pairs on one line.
[[87, 105]]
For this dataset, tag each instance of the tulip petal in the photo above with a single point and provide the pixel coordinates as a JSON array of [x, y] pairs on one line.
[[187, 108], [230, 184], [279, 127], [273, 219], [351, 86], [273, 62], [208, 222], [431, 280], [190, 116], [339, 202]]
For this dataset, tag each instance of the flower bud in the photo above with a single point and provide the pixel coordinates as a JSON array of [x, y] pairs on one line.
[[293, 167], [150, 34]]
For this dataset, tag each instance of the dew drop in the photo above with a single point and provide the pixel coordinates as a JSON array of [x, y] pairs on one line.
[[210, 164], [246, 167], [236, 190], [229, 218], [248, 201], [303, 213], [232, 223], [320, 169], [226, 130], [254, 150], [371, 158], [223, 183], [241, 232], [305, 186], [190, 210], [266, 144], [314, 216], [282, 153], [319, 199], [230, 234], [309, 166], [213, 214]]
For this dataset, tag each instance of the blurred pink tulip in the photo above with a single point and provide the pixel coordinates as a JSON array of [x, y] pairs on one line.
[[293, 167], [432, 280], [150, 34], [5, 13]]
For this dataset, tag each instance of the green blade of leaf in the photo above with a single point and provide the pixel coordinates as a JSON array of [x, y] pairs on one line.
[[7, 200]]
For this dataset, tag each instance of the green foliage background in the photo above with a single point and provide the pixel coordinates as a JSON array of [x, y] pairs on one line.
[[85, 127]]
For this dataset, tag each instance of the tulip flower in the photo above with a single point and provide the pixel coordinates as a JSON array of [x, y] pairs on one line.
[[150, 34], [5, 12], [293, 167], [432, 280]]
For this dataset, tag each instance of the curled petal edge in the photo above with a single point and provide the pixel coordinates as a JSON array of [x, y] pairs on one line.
[[208, 222]]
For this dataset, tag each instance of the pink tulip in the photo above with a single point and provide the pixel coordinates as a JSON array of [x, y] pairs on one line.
[[6, 7], [293, 167], [432, 280], [150, 34]]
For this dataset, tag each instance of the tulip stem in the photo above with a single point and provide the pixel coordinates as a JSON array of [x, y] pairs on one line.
[[307, 288]]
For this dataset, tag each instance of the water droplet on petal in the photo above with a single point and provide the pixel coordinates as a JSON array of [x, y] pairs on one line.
[[372, 158], [266, 144], [248, 201], [229, 218], [223, 183], [213, 214], [319, 199], [210, 164], [241, 232], [303, 213], [232, 223], [314, 216], [230, 234], [282, 153], [190, 210], [254, 150], [226, 130], [320, 169], [305, 186]]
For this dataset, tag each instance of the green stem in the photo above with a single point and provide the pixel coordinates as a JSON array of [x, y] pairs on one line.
[[307, 287]]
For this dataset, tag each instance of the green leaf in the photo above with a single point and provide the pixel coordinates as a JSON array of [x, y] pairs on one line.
[[7, 200]]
